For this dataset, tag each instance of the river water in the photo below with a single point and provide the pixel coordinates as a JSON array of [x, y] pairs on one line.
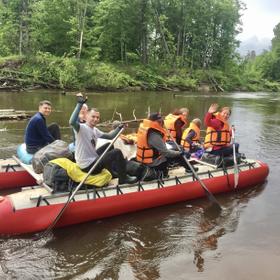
[[172, 242]]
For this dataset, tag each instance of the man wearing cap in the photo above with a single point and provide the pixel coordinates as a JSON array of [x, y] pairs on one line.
[[151, 148]]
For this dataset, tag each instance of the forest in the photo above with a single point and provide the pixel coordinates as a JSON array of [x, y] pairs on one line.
[[130, 45]]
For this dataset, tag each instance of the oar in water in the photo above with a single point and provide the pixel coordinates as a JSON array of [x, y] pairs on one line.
[[49, 229], [209, 195], [236, 172]]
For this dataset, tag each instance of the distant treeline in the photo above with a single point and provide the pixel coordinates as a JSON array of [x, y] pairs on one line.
[[111, 44]]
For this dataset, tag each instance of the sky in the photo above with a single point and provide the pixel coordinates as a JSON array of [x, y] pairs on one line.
[[259, 19]]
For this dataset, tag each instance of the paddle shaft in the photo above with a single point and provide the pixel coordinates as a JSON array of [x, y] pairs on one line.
[[48, 230], [236, 175], [207, 192]]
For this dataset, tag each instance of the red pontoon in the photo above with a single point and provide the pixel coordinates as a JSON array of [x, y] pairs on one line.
[[33, 209]]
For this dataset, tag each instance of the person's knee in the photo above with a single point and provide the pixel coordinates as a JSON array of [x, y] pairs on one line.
[[54, 130], [118, 152]]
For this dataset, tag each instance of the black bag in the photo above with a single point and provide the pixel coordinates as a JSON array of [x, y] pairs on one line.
[[56, 177], [220, 161], [134, 168], [141, 171], [229, 161]]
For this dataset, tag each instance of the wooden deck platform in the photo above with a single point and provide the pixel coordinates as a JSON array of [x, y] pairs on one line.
[[12, 114]]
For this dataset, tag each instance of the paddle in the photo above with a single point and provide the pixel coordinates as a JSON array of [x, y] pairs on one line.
[[48, 230], [207, 192], [236, 173]]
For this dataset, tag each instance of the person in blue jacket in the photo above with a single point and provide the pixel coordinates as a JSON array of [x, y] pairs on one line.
[[37, 133]]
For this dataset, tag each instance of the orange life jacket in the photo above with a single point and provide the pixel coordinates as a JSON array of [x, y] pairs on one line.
[[195, 139], [169, 123], [145, 153], [218, 137]]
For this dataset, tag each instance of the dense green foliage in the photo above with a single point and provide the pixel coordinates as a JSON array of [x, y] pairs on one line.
[[152, 44], [263, 71]]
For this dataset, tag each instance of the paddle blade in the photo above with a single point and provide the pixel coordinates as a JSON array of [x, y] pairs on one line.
[[236, 176], [215, 205]]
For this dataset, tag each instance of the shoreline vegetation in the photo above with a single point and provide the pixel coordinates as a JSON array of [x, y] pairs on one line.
[[151, 45], [45, 71]]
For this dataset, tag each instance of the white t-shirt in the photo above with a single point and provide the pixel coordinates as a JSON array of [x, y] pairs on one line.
[[86, 139]]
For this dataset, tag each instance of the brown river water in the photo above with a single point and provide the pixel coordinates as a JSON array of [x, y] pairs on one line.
[[180, 241]]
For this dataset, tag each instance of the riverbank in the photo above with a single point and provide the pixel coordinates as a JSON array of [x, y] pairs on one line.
[[64, 73]]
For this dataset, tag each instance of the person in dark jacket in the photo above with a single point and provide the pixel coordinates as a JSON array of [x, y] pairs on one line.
[[37, 133]]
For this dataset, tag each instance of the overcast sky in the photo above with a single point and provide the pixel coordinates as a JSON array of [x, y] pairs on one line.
[[260, 18]]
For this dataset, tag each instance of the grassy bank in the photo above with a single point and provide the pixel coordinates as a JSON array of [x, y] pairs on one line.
[[48, 71]]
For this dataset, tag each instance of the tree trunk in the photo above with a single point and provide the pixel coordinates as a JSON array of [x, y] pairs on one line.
[[23, 27], [20, 37], [184, 37], [143, 33], [82, 25], [165, 45], [122, 59]]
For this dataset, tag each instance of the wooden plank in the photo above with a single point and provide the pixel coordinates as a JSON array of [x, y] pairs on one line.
[[204, 163], [8, 161], [37, 177], [15, 116], [6, 110]]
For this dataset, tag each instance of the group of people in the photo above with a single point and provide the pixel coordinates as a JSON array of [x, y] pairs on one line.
[[154, 136]]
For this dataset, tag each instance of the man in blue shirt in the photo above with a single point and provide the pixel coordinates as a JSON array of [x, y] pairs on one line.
[[37, 134]]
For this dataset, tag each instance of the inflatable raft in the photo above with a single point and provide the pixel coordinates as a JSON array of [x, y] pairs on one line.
[[12, 175], [34, 208]]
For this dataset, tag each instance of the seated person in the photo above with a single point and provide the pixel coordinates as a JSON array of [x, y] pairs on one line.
[[37, 134], [218, 132], [191, 137], [86, 154], [175, 123], [151, 147]]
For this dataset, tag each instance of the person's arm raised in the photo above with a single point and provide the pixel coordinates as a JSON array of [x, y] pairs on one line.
[[74, 119], [209, 120]]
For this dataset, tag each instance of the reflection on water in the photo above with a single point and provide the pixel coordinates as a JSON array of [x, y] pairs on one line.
[[171, 242], [133, 245]]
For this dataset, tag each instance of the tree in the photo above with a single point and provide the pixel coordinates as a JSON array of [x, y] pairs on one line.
[[276, 39], [115, 28], [14, 26]]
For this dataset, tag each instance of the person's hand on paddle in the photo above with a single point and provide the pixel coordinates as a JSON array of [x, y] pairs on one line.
[[122, 125], [213, 108], [81, 98], [196, 145], [184, 153]]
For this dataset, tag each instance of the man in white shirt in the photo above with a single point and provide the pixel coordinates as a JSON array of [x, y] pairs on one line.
[[86, 135]]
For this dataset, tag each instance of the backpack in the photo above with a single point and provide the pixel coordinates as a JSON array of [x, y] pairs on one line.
[[56, 177], [56, 149], [141, 171]]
